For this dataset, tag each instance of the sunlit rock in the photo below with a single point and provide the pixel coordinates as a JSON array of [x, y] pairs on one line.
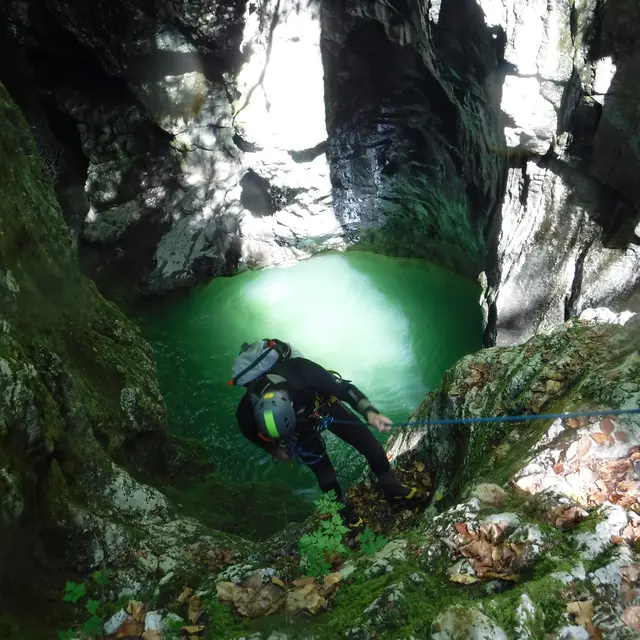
[[465, 622]]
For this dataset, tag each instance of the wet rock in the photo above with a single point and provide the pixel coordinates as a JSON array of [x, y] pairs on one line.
[[153, 621], [389, 610], [384, 559], [490, 494], [509, 522], [573, 633], [115, 621], [525, 617], [594, 542], [235, 573], [465, 622], [602, 315], [577, 573], [417, 579]]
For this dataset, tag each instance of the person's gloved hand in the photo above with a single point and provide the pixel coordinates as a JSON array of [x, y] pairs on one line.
[[377, 420], [282, 454]]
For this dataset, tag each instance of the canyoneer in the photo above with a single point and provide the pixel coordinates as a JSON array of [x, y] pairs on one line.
[[284, 410]]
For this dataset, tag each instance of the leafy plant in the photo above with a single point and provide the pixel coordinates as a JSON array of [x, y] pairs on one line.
[[317, 547], [370, 543], [73, 593], [174, 628]]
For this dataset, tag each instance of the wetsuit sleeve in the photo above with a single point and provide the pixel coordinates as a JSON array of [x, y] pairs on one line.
[[248, 427], [319, 378]]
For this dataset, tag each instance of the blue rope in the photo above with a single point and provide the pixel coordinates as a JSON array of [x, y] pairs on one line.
[[308, 458], [539, 416]]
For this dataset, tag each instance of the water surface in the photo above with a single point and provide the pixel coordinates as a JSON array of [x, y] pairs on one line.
[[392, 326]]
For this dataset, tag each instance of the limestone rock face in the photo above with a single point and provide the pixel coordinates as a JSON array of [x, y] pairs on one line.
[[517, 99], [77, 393], [496, 137], [203, 126], [567, 234]]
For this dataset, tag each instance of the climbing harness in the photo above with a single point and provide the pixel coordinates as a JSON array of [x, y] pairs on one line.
[[539, 416], [307, 458]]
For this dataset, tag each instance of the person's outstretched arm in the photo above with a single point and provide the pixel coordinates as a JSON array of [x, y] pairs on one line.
[[319, 378]]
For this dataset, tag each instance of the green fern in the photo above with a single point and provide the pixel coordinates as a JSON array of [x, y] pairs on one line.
[[73, 592], [370, 543], [317, 546]]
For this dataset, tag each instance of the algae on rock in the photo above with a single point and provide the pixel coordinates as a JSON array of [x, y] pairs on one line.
[[77, 392]]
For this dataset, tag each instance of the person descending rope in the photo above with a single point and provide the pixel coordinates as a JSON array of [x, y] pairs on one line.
[[290, 400]]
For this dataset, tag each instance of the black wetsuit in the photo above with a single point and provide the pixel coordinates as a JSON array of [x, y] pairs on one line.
[[310, 386]]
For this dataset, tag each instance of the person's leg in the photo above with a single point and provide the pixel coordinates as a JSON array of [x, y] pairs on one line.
[[358, 435], [327, 478]]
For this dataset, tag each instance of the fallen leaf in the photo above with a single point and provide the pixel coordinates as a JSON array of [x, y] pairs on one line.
[[305, 580], [254, 581], [627, 485], [305, 598], [479, 565], [631, 616], [615, 467], [621, 436], [152, 634], [252, 603], [279, 582], [519, 549], [616, 540], [599, 497], [572, 423], [191, 629], [477, 548], [570, 517], [628, 532], [226, 591], [136, 610], [607, 426], [462, 529], [600, 438], [507, 553], [194, 611], [463, 578], [185, 595], [627, 501], [635, 456], [631, 573], [584, 445], [582, 610], [495, 533], [629, 593], [330, 584], [130, 628]]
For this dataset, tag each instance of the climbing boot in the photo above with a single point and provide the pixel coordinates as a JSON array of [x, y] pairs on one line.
[[398, 494], [351, 519]]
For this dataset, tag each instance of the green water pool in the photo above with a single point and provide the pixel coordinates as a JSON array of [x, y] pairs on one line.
[[392, 326]]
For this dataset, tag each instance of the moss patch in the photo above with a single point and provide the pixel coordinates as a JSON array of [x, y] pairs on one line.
[[549, 598]]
